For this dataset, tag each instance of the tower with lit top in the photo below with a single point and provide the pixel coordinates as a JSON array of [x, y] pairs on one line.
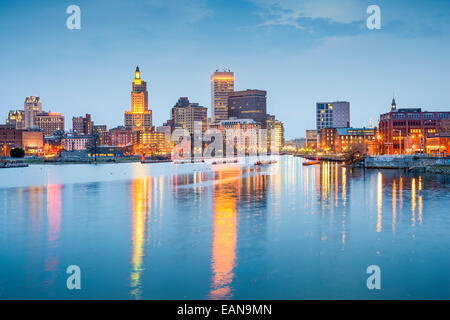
[[222, 83], [140, 117]]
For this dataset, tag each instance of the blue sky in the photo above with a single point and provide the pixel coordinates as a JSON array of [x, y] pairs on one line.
[[299, 51]]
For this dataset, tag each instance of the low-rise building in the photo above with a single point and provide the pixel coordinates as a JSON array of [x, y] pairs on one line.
[[76, 142]]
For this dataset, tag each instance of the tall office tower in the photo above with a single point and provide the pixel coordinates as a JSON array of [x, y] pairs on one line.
[[275, 133], [49, 122], [248, 104], [82, 125], [186, 114], [140, 117], [16, 118], [222, 83], [32, 106], [332, 115]]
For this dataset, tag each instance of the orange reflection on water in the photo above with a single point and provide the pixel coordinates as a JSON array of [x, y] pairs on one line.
[[140, 196], [379, 200], [413, 201], [394, 205], [54, 208], [54, 211], [223, 263]]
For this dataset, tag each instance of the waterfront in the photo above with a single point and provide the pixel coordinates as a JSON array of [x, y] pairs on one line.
[[165, 231]]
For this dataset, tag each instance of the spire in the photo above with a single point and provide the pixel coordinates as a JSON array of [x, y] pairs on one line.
[[393, 105], [137, 76]]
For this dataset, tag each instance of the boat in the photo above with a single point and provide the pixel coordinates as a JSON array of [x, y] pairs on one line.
[[12, 164], [311, 163], [265, 163]]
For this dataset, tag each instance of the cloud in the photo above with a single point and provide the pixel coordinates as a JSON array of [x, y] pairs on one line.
[[291, 12], [184, 10]]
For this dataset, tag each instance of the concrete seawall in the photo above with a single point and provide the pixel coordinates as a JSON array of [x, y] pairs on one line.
[[410, 162]]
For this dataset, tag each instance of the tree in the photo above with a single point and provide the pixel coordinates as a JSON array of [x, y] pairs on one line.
[[17, 153]]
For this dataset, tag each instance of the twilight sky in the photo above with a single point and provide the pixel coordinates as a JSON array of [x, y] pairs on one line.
[[300, 51]]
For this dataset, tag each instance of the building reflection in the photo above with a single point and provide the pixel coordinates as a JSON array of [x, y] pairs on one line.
[[326, 189], [223, 261], [141, 189], [54, 214]]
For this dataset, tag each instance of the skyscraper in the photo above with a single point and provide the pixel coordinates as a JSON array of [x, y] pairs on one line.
[[248, 104], [32, 106], [186, 114], [332, 115], [140, 117], [222, 82]]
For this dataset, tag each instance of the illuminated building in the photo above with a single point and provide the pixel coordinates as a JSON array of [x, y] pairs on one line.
[[405, 130], [140, 117], [82, 125], [186, 114], [16, 118], [121, 136], [103, 136], [347, 139], [311, 139], [75, 142], [248, 104], [439, 144], [149, 142], [332, 115], [275, 133], [10, 137], [49, 122], [242, 129], [222, 83], [32, 106], [33, 141]]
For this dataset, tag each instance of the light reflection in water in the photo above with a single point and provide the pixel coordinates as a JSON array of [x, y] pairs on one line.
[[141, 188], [413, 201], [379, 201], [224, 231], [394, 205], [54, 211]]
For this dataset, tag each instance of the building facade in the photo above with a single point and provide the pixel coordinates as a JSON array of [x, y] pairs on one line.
[[332, 115], [186, 114], [10, 137], [248, 104], [102, 134], [222, 83], [82, 125], [76, 142], [121, 136], [149, 142], [33, 141], [140, 117], [405, 130], [32, 106], [49, 122], [337, 140], [16, 118]]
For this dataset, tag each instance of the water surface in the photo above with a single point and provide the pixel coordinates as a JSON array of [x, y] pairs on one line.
[[165, 231]]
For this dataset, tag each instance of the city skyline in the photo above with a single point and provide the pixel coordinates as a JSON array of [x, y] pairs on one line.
[[298, 63]]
